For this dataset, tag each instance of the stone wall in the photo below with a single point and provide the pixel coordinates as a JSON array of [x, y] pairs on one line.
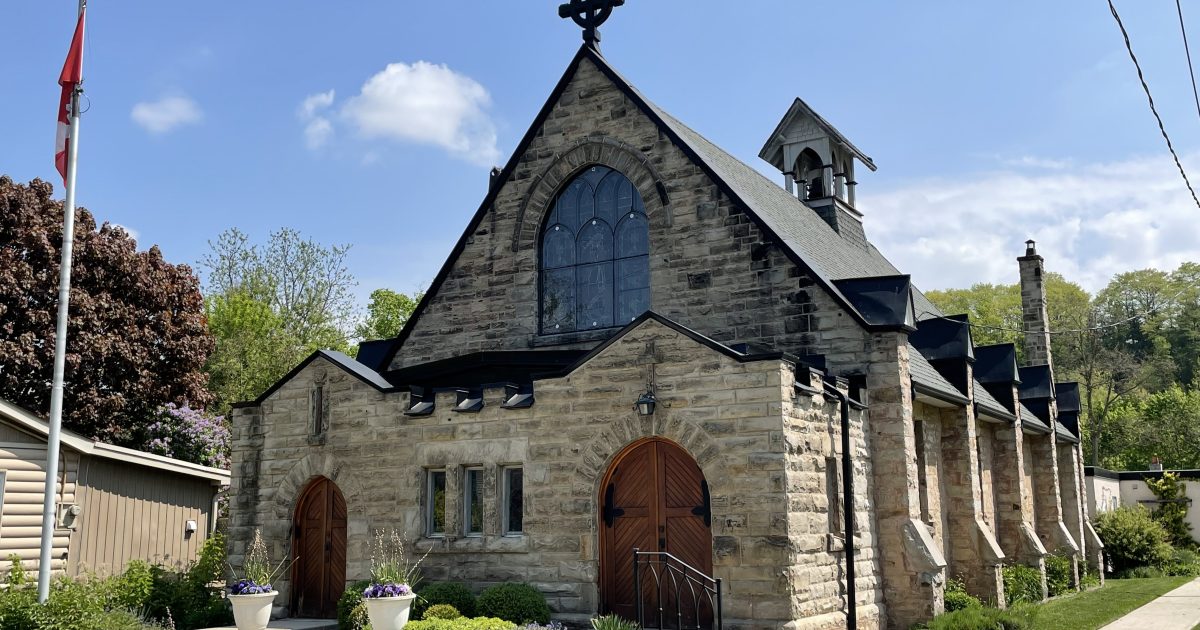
[[708, 269], [761, 449]]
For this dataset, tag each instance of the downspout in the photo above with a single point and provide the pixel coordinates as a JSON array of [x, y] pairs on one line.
[[847, 507]]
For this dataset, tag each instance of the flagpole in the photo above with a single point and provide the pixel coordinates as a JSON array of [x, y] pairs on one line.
[[60, 352]]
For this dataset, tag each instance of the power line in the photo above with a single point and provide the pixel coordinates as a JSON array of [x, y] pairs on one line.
[[1187, 49], [1153, 109], [1134, 317]]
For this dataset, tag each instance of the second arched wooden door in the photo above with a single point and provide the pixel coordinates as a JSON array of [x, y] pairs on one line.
[[654, 498], [319, 550]]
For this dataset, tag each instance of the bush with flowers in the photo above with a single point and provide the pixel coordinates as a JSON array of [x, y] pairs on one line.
[[188, 434]]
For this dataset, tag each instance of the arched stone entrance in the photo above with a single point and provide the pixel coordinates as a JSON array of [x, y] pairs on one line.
[[654, 497], [319, 550]]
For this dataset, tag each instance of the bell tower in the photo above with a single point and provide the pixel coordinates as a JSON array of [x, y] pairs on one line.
[[817, 163]]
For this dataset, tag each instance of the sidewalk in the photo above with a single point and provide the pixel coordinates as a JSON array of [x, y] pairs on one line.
[[303, 624], [1177, 610]]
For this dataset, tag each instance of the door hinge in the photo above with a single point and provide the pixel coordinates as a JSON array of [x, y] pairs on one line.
[[705, 508]]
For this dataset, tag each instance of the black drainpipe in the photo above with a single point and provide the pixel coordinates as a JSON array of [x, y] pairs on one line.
[[847, 507]]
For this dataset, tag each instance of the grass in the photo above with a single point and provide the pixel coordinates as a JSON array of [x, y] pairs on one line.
[[1093, 609]]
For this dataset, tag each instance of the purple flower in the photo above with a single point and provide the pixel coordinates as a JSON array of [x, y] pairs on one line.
[[248, 587], [390, 589]]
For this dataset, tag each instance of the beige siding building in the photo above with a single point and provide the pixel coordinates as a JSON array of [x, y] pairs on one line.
[[114, 504]]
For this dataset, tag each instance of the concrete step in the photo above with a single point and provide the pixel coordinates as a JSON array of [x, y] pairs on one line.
[[294, 624]]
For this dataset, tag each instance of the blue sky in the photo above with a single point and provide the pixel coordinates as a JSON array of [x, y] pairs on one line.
[[990, 122]]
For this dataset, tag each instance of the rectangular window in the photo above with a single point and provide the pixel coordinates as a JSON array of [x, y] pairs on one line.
[[435, 508], [513, 501], [473, 502]]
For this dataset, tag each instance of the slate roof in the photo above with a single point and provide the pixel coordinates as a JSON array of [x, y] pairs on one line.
[[1028, 418], [826, 253], [1064, 433], [923, 373], [988, 403]]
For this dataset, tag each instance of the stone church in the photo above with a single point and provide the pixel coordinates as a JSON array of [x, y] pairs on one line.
[[639, 342]]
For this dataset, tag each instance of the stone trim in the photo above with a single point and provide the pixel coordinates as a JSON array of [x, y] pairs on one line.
[[589, 151], [302, 472], [597, 456]]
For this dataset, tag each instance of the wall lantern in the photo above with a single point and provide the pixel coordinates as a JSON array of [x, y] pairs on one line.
[[646, 402]]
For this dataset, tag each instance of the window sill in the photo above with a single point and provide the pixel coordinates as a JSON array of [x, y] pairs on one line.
[[474, 544], [578, 336]]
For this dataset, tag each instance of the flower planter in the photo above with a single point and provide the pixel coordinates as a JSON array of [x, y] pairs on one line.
[[252, 612], [388, 613]]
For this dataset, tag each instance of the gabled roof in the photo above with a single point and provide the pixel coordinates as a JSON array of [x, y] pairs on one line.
[[987, 404], [352, 367], [800, 109], [804, 236], [23, 419], [712, 344], [926, 379]]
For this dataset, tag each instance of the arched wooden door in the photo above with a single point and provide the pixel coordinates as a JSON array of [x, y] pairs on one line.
[[319, 549], [654, 498]]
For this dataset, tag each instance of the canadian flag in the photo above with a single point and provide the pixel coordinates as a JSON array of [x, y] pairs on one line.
[[72, 75]]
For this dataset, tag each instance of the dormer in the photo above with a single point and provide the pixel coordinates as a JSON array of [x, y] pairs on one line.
[[817, 163]]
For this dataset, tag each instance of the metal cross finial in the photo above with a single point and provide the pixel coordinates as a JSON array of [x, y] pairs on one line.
[[589, 14]]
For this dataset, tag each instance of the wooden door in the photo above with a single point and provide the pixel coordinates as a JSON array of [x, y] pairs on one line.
[[319, 547], [654, 498]]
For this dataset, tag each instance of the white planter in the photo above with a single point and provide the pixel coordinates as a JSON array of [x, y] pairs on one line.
[[252, 612], [389, 613]]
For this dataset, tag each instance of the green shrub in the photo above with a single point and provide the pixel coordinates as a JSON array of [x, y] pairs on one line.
[[1132, 538], [1022, 584], [359, 618], [1184, 563], [347, 602], [452, 593], [1058, 574], [612, 622], [185, 597], [957, 597], [16, 572], [1137, 573], [1172, 512], [441, 611], [132, 588], [478, 623], [1089, 577], [518, 603], [983, 619]]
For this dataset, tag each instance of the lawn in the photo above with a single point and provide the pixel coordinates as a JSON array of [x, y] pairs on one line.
[[1092, 609]]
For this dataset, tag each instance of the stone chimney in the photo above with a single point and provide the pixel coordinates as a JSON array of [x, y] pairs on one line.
[[1034, 320]]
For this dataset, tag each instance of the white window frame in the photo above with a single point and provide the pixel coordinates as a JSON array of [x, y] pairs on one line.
[[466, 492], [429, 502], [505, 502]]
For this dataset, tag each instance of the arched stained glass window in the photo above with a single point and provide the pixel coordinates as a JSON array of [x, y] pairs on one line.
[[595, 255]]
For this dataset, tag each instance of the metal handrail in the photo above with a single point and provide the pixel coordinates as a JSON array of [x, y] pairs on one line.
[[704, 592]]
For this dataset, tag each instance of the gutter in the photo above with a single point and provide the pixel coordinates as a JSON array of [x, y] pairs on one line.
[[847, 503]]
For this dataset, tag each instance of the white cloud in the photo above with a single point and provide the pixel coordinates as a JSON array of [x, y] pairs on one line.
[[426, 103], [315, 103], [318, 130], [166, 113], [1091, 221]]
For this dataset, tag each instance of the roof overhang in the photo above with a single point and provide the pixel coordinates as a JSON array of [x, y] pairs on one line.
[[40, 428]]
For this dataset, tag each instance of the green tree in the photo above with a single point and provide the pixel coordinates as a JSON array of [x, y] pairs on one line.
[[387, 312], [136, 340], [269, 307]]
